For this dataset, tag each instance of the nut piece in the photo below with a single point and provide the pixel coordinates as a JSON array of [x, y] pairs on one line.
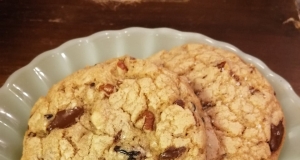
[[149, 120], [122, 65], [107, 88]]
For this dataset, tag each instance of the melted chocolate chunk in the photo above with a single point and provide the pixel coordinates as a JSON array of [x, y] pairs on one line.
[[276, 136], [131, 155], [172, 153], [65, 118], [179, 102]]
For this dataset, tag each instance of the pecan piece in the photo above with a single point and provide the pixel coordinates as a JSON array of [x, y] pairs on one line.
[[107, 88], [149, 120], [122, 65]]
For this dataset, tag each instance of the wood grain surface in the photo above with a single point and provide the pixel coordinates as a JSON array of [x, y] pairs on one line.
[[30, 27]]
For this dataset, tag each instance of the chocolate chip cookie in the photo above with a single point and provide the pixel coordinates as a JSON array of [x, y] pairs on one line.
[[241, 105], [123, 108]]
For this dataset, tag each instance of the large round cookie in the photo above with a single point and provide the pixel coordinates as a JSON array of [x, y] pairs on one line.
[[241, 105], [121, 109]]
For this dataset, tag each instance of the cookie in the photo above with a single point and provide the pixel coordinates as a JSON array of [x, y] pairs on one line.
[[244, 118], [123, 108]]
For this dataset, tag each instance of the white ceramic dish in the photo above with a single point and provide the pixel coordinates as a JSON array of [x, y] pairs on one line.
[[26, 85]]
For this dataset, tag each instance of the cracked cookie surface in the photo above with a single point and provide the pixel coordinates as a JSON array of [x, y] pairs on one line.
[[244, 118], [124, 108]]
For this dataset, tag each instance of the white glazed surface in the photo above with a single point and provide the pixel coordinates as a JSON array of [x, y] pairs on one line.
[[26, 85]]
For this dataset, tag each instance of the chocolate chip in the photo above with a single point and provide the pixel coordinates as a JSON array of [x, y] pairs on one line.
[[172, 153], [221, 65], [48, 116], [179, 102], [65, 118], [276, 136], [206, 105], [122, 65]]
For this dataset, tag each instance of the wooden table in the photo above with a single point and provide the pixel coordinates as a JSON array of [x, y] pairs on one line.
[[28, 28]]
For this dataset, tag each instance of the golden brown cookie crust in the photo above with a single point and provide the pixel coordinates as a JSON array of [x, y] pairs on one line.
[[239, 101], [121, 109]]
